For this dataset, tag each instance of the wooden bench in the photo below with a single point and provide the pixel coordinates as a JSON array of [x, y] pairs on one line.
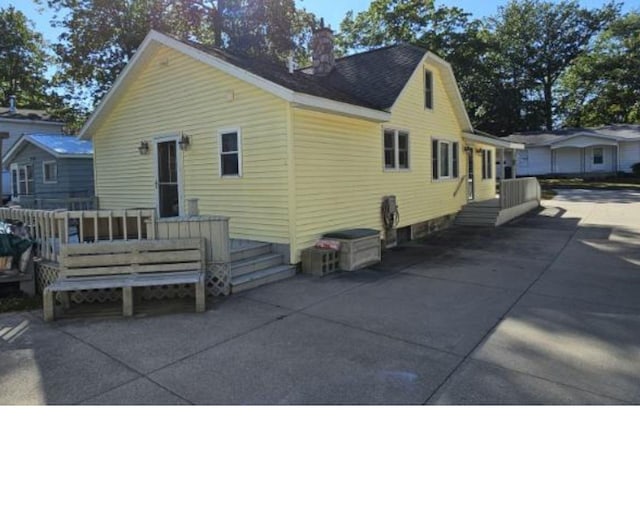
[[128, 265]]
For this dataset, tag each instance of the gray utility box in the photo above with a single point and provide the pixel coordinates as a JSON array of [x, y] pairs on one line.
[[359, 248]]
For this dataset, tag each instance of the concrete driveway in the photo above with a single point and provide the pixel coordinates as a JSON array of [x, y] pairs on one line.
[[545, 310]]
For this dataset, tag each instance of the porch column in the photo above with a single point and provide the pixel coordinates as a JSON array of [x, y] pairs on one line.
[[617, 155], [514, 163], [501, 164]]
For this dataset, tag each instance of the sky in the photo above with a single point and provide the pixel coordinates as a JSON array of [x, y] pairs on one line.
[[333, 11]]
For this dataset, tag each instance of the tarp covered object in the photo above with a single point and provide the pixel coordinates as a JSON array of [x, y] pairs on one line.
[[11, 245]]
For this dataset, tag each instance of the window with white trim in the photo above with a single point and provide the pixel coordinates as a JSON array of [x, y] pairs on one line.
[[22, 179], [598, 156], [396, 150], [445, 159], [230, 148], [487, 164], [50, 172], [428, 89]]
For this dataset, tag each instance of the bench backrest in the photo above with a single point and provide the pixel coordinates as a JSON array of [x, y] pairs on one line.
[[132, 257]]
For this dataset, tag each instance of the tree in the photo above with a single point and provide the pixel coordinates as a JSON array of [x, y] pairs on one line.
[[23, 61], [603, 86], [535, 43], [101, 36]]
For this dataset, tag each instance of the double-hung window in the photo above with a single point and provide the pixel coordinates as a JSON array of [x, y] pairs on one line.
[[230, 148], [22, 180], [428, 89], [487, 164], [396, 150], [49, 172], [445, 159]]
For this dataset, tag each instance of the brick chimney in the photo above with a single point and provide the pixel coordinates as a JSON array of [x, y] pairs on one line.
[[322, 50]]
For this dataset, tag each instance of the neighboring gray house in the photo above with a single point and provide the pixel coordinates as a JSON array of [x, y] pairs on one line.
[[16, 122], [50, 169], [578, 150]]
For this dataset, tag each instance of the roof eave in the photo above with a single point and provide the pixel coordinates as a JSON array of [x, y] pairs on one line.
[[154, 37], [491, 141], [307, 101]]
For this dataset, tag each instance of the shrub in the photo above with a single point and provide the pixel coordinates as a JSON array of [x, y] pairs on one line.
[[636, 169]]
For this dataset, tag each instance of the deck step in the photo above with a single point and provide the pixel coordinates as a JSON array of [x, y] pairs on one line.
[[477, 215], [261, 277], [255, 263], [251, 250]]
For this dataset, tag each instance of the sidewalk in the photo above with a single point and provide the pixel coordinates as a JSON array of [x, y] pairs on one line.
[[544, 310]]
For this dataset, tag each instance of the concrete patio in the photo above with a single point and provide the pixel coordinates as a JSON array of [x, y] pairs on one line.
[[544, 310]]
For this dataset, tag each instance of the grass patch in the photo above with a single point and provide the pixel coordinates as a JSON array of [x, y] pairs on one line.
[[609, 182], [17, 301]]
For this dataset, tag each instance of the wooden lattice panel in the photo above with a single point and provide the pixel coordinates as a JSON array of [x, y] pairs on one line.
[[218, 279], [46, 273]]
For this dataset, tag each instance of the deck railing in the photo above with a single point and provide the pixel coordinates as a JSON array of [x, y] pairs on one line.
[[50, 228], [518, 191], [58, 203]]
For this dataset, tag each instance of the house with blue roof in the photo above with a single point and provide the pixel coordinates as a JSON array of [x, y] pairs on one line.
[[50, 171]]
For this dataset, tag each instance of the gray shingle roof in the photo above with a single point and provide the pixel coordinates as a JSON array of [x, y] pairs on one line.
[[547, 138], [26, 114], [372, 79]]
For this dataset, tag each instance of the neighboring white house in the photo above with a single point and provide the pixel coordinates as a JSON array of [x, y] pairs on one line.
[[578, 150], [17, 122]]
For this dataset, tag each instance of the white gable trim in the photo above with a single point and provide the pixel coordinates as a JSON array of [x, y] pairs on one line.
[[449, 78], [155, 38]]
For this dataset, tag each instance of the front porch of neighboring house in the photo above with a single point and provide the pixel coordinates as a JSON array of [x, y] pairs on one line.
[[516, 197], [585, 155]]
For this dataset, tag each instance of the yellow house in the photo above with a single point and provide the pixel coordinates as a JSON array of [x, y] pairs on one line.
[[290, 154]]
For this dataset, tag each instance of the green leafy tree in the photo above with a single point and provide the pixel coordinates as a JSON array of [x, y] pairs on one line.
[[535, 42], [23, 62], [603, 86], [100, 36]]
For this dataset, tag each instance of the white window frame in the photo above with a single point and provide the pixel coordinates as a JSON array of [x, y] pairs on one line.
[[488, 164], [14, 172], [431, 94], [225, 131], [44, 172], [22, 179], [450, 143], [396, 150]]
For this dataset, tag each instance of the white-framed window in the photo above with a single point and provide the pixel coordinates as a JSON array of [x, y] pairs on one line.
[[396, 150], [445, 158], [487, 164], [14, 180], [22, 179], [50, 172], [598, 156], [230, 152], [428, 89]]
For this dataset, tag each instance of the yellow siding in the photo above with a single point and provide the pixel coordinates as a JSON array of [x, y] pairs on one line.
[[175, 94], [339, 176]]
